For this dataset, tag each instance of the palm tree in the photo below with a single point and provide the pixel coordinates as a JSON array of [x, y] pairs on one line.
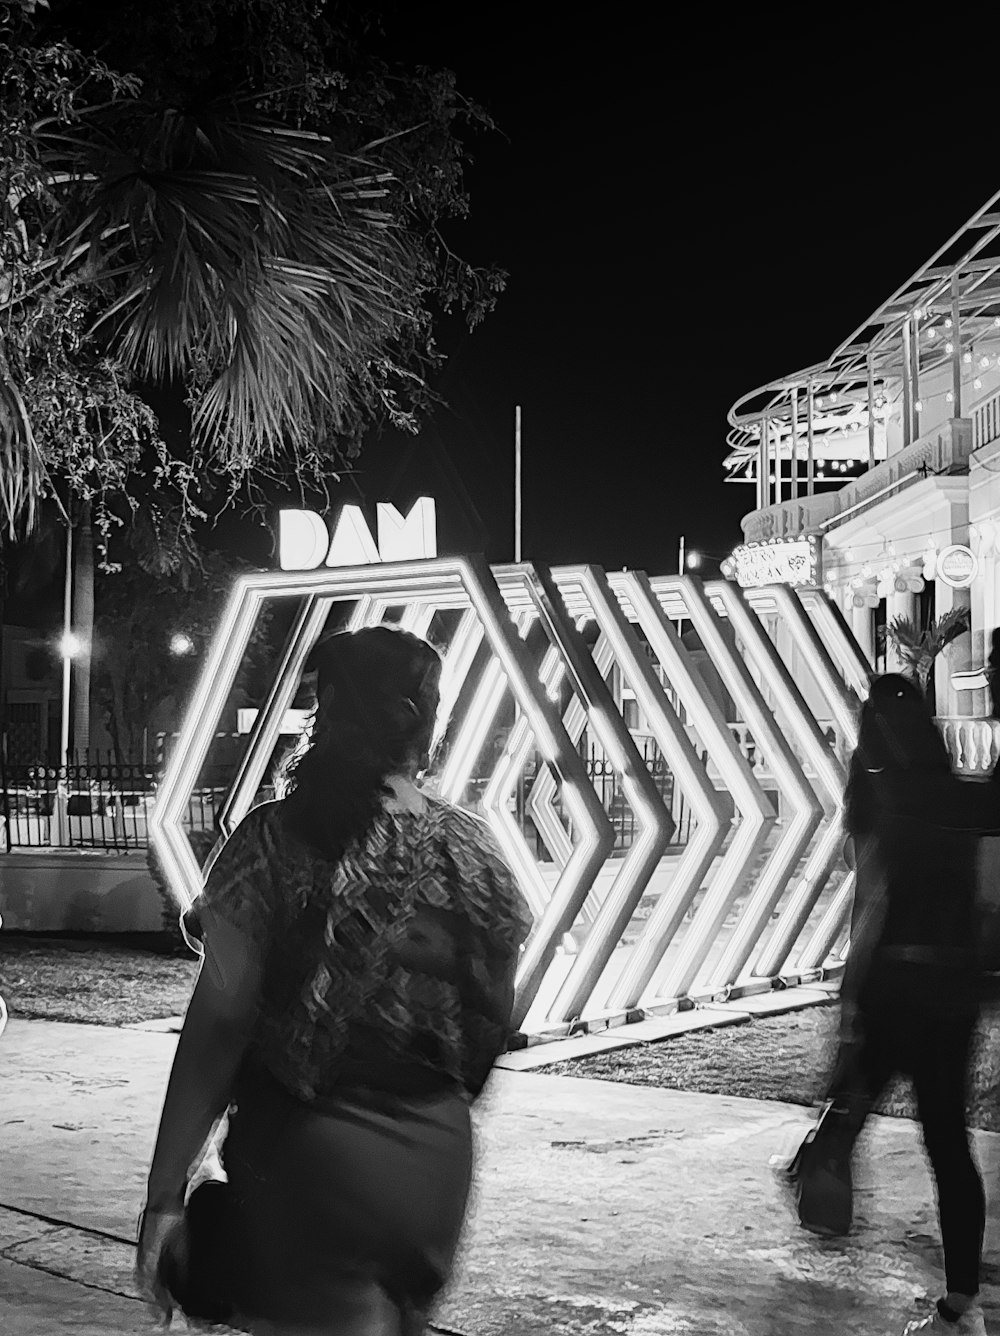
[[208, 247], [917, 648]]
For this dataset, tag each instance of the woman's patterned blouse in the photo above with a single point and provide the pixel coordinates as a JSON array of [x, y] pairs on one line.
[[400, 953]]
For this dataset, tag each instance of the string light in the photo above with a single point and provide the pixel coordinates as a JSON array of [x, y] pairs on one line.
[[947, 323], [984, 362], [977, 384], [950, 397], [932, 333], [966, 357], [949, 347]]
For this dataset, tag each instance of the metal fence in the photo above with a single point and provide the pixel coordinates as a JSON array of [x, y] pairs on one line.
[[94, 804], [608, 783]]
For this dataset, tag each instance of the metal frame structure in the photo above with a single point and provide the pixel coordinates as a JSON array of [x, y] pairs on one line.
[[517, 629], [956, 293]]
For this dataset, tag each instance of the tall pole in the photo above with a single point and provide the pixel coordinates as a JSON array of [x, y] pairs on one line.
[[795, 444], [956, 348], [765, 437], [810, 457], [870, 360], [66, 657], [517, 483], [915, 374], [907, 386]]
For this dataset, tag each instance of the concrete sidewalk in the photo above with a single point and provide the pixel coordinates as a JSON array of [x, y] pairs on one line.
[[599, 1208]]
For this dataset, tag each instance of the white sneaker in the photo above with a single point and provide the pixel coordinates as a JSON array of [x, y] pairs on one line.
[[969, 1324]]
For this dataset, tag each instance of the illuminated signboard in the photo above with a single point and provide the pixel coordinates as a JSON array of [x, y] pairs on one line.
[[786, 561], [304, 542], [957, 566]]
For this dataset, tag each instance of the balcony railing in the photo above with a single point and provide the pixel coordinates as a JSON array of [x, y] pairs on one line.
[[973, 744], [986, 420], [944, 450]]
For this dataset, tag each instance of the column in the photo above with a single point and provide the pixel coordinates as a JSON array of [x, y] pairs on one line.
[[862, 624], [956, 354], [915, 376], [871, 410], [795, 444], [810, 460], [907, 387], [957, 658], [898, 605]]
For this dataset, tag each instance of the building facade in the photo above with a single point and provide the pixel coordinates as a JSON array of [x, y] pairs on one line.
[[877, 473]]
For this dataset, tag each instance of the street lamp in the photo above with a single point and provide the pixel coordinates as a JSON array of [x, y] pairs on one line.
[[693, 560], [181, 644], [70, 648]]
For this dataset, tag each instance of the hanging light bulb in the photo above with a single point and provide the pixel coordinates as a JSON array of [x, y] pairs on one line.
[[932, 332], [919, 405], [949, 347], [977, 384], [996, 321], [833, 396], [950, 397], [967, 358], [947, 322], [984, 362]]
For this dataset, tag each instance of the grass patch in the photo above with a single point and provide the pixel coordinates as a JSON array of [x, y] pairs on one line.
[[785, 1058], [97, 982]]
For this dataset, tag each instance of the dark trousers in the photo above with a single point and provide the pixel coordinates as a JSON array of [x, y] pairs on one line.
[[934, 1052]]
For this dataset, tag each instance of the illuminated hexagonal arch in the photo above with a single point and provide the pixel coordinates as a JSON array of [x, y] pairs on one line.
[[830, 778], [463, 584], [823, 817], [538, 592], [585, 591], [676, 980]]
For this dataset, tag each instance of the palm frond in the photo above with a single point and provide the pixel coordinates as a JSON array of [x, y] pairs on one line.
[[947, 628], [22, 470], [249, 259]]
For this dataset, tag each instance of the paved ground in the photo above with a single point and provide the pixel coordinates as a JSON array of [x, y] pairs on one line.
[[600, 1208]]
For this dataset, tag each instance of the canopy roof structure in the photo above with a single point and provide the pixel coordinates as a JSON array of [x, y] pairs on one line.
[[956, 292]]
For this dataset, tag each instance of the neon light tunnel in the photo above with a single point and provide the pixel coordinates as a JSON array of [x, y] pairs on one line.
[[673, 816]]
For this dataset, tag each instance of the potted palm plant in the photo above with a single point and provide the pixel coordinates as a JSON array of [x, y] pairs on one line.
[[917, 648]]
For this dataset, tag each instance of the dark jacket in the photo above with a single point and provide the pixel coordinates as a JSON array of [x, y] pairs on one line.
[[919, 828]]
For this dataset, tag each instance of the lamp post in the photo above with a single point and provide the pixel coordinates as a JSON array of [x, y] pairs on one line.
[[70, 646]]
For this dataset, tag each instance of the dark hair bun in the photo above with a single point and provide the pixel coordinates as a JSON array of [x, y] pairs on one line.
[[377, 695]]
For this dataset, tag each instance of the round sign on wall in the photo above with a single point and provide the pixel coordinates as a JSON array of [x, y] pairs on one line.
[[957, 566]]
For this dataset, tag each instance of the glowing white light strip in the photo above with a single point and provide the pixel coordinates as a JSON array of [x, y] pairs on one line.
[[839, 640], [652, 821], [267, 728], [830, 774], [221, 665], [543, 790], [807, 810], [456, 668], [636, 597], [509, 767], [471, 739], [188, 756], [594, 830], [751, 835]]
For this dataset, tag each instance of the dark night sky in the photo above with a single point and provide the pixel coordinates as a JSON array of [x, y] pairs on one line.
[[684, 214]]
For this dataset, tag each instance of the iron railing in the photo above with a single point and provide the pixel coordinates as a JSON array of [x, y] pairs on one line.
[[92, 805]]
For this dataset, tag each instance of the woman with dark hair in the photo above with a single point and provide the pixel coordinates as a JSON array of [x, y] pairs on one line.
[[912, 983], [361, 938]]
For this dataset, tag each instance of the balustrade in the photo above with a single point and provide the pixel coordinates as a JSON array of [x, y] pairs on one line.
[[973, 744]]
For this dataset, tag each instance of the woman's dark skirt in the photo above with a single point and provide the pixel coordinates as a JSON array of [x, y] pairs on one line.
[[346, 1203]]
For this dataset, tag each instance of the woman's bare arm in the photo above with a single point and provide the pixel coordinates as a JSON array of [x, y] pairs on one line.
[[211, 1048]]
